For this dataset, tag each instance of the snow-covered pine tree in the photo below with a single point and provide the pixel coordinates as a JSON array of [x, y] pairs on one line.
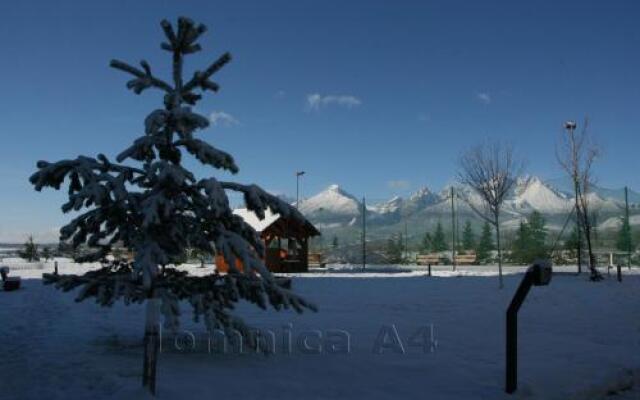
[[624, 240], [521, 246], [30, 251], [468, 237], [426, 242], [159, 209], [439, 243], [485, 244], [394, 249], [46, 254]]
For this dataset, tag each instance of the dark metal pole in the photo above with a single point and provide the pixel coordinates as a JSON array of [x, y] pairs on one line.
[[453, 231], [539, 275], [626, 212], [406, 242], [570, 126], [364, 233], [512, 332], [619, 272], [298, 175]]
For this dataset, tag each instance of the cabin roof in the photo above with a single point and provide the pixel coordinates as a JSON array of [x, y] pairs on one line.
[[277, 224], [252, 219]]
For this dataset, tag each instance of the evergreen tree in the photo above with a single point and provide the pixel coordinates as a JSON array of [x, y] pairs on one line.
[[394, 249], [530, 241], [427, 241], [439, 243], [537, 248], [30, 251], [46, 254], [485, 245], [468, 237], [624, 241], [159, 209], [520, 248], [335, 242]]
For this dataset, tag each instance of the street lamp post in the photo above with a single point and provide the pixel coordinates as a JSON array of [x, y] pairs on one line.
[[570, 126], [298, 175]]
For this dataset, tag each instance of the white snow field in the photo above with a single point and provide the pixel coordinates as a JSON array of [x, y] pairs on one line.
[[577, 340]]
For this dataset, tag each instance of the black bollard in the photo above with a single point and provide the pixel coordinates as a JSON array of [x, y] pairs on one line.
[[55, 268], [619, 273], [429, 269], [539, 275]]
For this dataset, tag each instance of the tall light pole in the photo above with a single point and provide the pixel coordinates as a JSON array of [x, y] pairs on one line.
[[453, 229], [364, 233], [570, 126], [298, 175], [626, 217]]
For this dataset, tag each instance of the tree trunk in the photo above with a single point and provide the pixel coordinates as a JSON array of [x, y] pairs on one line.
[[151, 344], [588, 227], [595, 275], [497, 223], [578, 218]]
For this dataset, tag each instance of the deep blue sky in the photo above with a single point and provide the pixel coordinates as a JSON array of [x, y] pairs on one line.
[[403, 88]]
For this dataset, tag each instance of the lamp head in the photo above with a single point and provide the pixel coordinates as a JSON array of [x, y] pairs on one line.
[[541, 270]]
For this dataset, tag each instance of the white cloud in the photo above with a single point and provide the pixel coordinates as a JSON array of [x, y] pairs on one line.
[[399, 184], [221, 118], [316, 101], [483, 97]]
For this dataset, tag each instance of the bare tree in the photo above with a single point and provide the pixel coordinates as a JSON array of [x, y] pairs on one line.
[[490, 170], [576, 154]]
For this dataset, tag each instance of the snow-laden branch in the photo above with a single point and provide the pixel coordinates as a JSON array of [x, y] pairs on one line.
[[258, 200], [53, 174], [143, 80], [211, 296], [209, 155], [184, 41], [201, 78]]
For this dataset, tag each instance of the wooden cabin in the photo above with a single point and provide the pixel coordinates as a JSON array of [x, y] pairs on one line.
[[286, 241]]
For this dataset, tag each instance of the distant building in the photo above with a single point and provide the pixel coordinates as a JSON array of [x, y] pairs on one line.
[[286, 241]]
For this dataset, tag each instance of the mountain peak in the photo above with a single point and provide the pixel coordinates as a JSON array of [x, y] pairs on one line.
[[533, 192], [420, 193], [389, 206], [331, 200]]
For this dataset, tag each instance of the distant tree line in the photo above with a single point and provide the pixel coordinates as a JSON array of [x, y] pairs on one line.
[[483, 246], [530, 240]]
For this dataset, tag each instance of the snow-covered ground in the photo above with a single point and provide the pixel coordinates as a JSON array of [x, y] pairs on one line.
[[578, 340]]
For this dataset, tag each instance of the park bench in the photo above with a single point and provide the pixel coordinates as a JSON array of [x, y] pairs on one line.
[[428, 259], [316, 260], [465, 259], [9, 283]]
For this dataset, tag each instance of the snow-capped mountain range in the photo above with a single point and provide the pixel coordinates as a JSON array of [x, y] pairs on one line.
[[334, 207]]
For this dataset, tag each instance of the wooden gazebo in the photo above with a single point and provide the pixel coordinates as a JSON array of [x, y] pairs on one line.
[[286, 241]]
